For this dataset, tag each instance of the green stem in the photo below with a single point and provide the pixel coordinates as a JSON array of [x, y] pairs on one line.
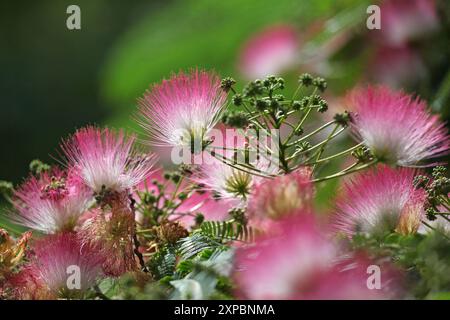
[[322, 148], [295, 93], [436, 230], [305, 116], [256, 173], [296, 153], [311, 133], [337, 155], [351, 169], [143, 231]]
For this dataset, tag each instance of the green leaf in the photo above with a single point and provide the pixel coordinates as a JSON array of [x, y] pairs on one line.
[[109, 287], [193, 245], [228, 230]]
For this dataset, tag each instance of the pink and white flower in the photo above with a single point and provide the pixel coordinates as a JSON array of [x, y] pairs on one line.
[[235, 167], [111, 234], [277, 198], [381, 200], [27, 285], [107, 160], [53, 202], [298, 261], [280, 264], [182, 110], [56, 259], [229, 183], [397, 127], [271, 51], [352, 278]]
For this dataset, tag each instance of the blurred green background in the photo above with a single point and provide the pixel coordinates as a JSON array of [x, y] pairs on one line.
[[54, 80]]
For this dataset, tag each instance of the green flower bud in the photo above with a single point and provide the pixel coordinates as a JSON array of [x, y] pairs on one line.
[[237, 99], [305, 79], [320, 84], [227, 84]]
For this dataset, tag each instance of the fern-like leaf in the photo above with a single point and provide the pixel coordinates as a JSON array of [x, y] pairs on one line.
[[228, 230], [193, 245]]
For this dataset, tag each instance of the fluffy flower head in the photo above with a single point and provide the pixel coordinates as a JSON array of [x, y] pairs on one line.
[[52, 202], [182, 110], [58, 256], [106, 159], [397, 127], [381, 200], [297, 261], [274, 199], [111, 235], [279, 264]]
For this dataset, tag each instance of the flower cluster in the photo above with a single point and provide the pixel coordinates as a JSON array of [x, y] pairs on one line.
[[248, 220]]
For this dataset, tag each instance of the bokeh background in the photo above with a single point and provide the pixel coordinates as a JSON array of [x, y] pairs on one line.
[[54, 80]]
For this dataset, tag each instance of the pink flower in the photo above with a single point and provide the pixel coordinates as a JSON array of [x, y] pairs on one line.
[[271, 51], [234, 183], [354, 277], [111, 234], [60, 256], [277, 198], [107, 160], [397, 127], [381, 200], [229, 183], [225, 182], [182, 110], [27, 285], [298, 262], [53, 202], [405, 20], [278, 265]]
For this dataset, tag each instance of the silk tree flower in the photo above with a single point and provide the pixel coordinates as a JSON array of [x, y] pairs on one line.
[[275, 199], [111, 234], [107, 160], [350, 277], [27, 285], [406, 20], [280, 264], [397, 127], [381, 200], [51, 203], [298, 261], [228, 182], [271, 51], [56, 258], [181, 111]]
